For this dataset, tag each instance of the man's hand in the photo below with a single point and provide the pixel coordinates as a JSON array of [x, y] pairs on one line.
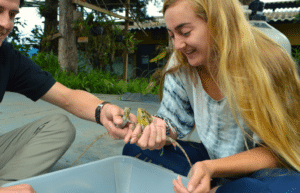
[[111, 116], [22, 188]]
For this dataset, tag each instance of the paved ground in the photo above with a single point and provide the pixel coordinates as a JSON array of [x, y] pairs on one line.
[[17, 110]]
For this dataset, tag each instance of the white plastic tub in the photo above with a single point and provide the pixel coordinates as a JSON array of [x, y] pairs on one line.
[[119, 174]]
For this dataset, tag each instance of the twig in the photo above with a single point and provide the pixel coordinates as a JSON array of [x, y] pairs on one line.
[[88, 148]]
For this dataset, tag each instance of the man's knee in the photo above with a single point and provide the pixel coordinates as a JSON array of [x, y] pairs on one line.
[[62, 125], [67, 127]]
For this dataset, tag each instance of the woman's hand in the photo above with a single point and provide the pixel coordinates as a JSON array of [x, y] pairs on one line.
[[111, 116], [22, 188], [179, 187], [152, 137], [200, 178]]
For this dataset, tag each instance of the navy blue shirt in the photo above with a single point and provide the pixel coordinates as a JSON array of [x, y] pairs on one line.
[[21, 75]]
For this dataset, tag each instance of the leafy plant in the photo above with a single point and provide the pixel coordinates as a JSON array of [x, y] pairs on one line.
[[14, 37], [47, 62], [296, 54], [105, 38], [139, 86], [297, 17], [15, 34], [91, 80]]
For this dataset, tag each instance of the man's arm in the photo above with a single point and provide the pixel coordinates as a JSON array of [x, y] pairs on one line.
[[78, 102], [83, 105]]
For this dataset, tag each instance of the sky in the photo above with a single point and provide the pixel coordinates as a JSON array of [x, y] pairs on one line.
[[32, 18]]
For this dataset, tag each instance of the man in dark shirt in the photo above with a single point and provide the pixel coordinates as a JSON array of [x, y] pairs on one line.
[[34, 148]]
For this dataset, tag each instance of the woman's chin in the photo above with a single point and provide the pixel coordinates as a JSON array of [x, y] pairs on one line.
[[195, 63]]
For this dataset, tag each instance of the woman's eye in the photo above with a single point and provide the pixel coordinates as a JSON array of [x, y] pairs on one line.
[[186, 34]]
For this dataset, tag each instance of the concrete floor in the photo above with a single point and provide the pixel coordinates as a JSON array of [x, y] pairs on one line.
[[17, 110]]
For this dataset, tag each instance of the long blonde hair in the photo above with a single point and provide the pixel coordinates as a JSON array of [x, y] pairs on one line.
[[256, 75]]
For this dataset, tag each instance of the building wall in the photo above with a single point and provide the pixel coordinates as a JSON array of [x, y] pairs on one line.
[[155, 36], [159, 36], [146, 50], [118, 66]]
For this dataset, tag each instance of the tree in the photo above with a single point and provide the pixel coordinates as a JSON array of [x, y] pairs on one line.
[[138, 7], [14, 37], [15, 33], [298, 16], [49, 11], [67, 51], [67, 57], [105, 39]]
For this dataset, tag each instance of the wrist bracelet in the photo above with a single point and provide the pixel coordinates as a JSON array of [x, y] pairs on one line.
[[98, 111]]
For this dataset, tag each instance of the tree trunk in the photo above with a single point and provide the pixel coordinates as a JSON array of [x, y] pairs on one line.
[[125, 57], [50, 26], [67, 50]]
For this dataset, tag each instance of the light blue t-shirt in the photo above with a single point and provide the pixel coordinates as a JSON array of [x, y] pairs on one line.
[[186, 104]]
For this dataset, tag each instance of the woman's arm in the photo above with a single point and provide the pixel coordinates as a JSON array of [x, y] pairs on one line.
[[243, 163], [233, 166]]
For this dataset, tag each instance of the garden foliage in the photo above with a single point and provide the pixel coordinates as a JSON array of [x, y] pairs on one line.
[[91, 80], [105, 40]]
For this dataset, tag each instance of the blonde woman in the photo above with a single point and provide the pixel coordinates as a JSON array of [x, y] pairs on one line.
[[239, 89]]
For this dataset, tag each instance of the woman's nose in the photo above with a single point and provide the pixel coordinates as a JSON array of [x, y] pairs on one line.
[[178, 43]]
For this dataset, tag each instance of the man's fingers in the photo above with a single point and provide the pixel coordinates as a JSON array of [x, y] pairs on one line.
[[115, 131], [118, 119], [127, 137], [132, 118], [136, 131]]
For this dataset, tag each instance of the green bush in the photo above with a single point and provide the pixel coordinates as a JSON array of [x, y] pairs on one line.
[[296, 54], [91, 80], [47, 62]]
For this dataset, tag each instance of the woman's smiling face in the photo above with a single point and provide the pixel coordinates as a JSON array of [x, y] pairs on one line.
[[189, 32]]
